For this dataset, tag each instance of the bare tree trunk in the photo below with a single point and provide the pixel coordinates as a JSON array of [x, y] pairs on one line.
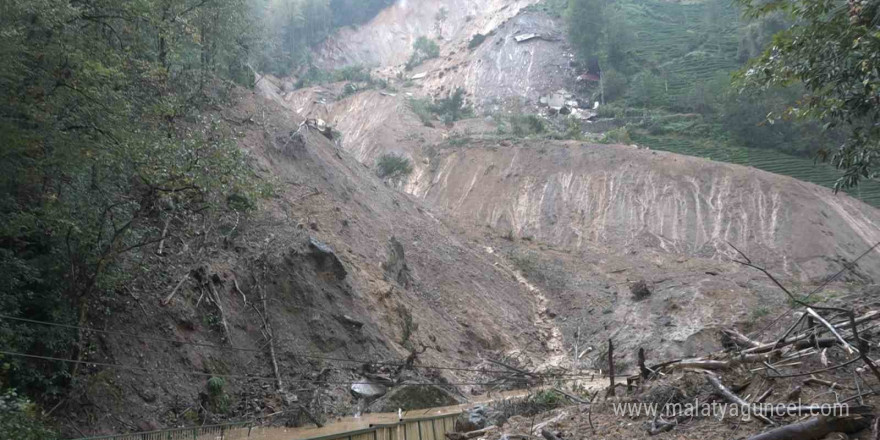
[[216, 299], [611, 389], [645, 372], [279, 386], [815, 428]]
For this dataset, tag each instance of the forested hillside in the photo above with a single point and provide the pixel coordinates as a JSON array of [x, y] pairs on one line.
[[112, 142], [670, 72]]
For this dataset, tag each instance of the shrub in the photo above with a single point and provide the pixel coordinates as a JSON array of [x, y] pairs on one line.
[[476, 41], [423, 109], [640, 290], [453, 107], [449, 109], [548, 398], [615, 84], [20, 419], [393, 166], [526, 125], [424, 49], [219, 400], [619, 135]]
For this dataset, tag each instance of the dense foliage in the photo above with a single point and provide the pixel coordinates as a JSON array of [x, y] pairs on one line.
[[110, 144], [21, 420], [113, 142], [833, 50], [659, 60]]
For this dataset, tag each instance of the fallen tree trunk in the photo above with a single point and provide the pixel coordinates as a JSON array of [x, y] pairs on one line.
[[803, 340], [816, 428], [740, 338], [549, 435], [849, 348], [470, 435], [733, 398]]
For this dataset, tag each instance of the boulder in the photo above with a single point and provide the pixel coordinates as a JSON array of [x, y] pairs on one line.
[[326, 260], [556, 101], [368, 390], [640, 290], [477, 418], [410, 397]]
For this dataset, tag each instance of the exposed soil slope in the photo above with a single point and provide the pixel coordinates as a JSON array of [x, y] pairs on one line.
[[387, 40], [348, 266], [573, 195]]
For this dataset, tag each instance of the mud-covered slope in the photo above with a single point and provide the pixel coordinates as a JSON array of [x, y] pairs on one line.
[[349, 268], [573, 195]]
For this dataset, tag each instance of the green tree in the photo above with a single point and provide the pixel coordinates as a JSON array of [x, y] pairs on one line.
[[108, 146], [585, 21], [393, 167], [423, 49], [833, 50]]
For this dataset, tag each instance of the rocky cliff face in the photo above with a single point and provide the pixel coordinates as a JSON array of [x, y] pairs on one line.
[[387, 40]]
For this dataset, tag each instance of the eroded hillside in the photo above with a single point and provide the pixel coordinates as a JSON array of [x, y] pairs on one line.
[[349, 269], [599, 217], [494, 246]]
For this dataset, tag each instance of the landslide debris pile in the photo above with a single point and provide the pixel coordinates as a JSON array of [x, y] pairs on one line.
[[808, 375]]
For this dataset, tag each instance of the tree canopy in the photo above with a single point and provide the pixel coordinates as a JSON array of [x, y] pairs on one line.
[[109, 144], [833, 50]]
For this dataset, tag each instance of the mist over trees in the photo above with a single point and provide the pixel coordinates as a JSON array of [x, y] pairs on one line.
[[812, 92], [290, 28]]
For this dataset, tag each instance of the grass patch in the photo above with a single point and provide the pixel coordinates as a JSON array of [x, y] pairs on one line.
[[760, 312], [447, 110], [393, 167]]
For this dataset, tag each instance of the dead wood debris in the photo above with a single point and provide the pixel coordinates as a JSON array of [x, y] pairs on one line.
[[793, 367]]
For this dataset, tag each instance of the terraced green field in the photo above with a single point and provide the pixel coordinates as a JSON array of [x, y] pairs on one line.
[[691, 44], [767, 160], [684, 44]]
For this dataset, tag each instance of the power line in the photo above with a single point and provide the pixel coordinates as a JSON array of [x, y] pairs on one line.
[[255, 350], [229, 376], [846, 267]]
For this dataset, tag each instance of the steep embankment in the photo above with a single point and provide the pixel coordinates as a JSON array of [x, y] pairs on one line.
[[583, 222], [573, 195], [349, 269]]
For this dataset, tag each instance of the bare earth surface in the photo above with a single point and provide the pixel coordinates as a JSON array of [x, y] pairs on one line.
[[493, 247]]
